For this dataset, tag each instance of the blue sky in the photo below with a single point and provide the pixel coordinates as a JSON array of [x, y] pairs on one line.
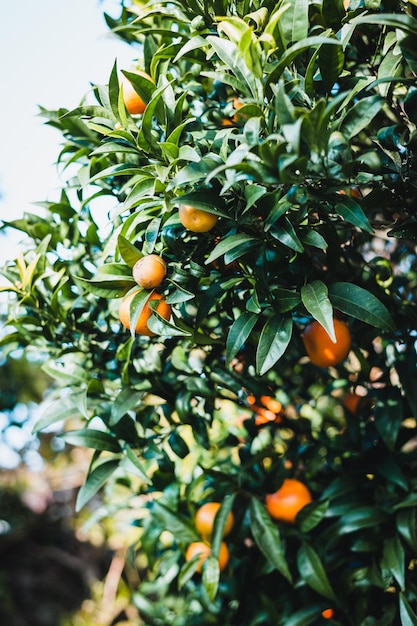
[[50, 51]]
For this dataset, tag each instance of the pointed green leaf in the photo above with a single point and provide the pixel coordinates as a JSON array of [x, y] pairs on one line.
[[211, 576], [393, 559], [95, 481], [312, 571], [267, 537], [352, 212], [233, 242], [361, 115], [315, 299], [126, 400], [131, 463], [273, 342], [238, 333], [407, 614], [129, 252], [360, 304], [91, 438]]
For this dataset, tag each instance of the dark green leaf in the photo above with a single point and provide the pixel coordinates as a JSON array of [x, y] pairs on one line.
[[267, 537], [274, 339], [232, 242], [407, 613], [393, 559], [361, 115], [315, 299], [312, 571], [95, 481], [352, 212], [91, 438], [238, 333], [361, 304]]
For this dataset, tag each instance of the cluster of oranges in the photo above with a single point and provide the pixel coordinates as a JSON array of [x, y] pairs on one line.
[[204, 524], [148, 272]]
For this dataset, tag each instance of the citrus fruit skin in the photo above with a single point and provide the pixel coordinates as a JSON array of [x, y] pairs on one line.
[[196, 220], [149, 271], [133, 102], [205, 516], [141, 328], [321, 350], [285, 504], [204, 550]]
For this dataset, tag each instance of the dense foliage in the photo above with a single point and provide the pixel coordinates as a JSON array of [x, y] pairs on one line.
[[294, 123]]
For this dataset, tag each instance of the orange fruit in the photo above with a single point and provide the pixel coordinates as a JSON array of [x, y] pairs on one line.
[[321, 350], [204, 550], [196, 220], [354, 403], [327, 613], [271, 404], [285, 504], [133, 102], [149, 271], [141, 328], [204, 519]]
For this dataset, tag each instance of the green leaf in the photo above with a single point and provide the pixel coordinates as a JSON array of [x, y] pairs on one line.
[[178, 445], [220, 522], [360, 304], [180, 526], [211, 576], [295, 50], [407, 23], [393, 559], [294, 22], [284, 232], [285, 300], [129, 253], [91, 438], [407, 614], [274, 339], [95, 481], [57, 411], [132, 464], [406, 521], [331, 63], [233, 242], [126, 400], [267, 537], [312, 571], [352, 212], [238, 333], [389, 414], [361, 115], [362, 517], [315, 299]]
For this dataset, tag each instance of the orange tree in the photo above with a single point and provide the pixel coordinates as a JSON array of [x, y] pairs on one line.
[[290, 129]]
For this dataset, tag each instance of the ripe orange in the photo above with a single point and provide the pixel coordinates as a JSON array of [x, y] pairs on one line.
[[327, 613], [204, 519], [321, 350], [133, 102], [149, 271], [141, 328], [196, 220], [287, 502], [204, 550]]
